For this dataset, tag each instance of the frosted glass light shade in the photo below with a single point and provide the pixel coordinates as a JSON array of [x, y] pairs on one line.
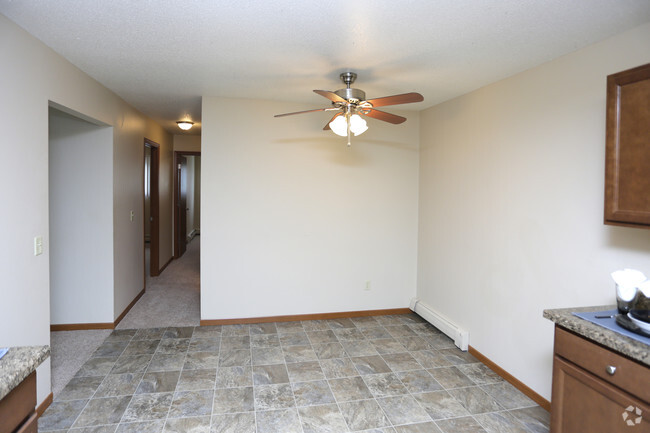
[[358, 125], [339, 126], [184, 124]]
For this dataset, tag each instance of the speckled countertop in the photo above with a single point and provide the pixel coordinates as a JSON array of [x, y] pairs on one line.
[[18, 363], [617, 342]]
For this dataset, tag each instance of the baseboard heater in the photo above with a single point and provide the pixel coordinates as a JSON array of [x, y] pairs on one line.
[[460, 337]]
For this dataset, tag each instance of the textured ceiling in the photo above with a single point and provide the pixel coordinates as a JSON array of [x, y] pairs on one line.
[[161, 56]]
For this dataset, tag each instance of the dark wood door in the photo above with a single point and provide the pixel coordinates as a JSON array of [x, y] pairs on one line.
[[181, 212]]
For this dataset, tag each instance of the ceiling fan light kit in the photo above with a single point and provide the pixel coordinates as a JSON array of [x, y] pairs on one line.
[[351, 104]]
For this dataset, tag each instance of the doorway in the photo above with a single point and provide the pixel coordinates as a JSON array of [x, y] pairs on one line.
[[151, 212], [187, 192]]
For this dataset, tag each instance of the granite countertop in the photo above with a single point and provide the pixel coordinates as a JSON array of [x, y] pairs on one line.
[[617, 342], [19, 363]]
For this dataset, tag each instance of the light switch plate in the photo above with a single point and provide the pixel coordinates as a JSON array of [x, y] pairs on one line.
[[38, 245]]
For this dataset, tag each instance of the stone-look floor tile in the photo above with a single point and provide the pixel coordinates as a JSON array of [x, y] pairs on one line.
[[61, 414], [387, 345], [188, 425], [359, 348], [338, 367], [441, 405], [233, 423], [121, 335], [265, 340], [507, 395], [160, 381], [80, 388], [440, 341], [349, 388], [232, 400], [391, 320], [500, 422], [319, 337], [465, 424], [232, 377], [100, 411], [141, 347], [97, 366], [267, 355], [431, 359], [425, 329], [341, 323], [365, 322], [201, 360], [178, 332], [304, 371], [536, 419], [119, 384], [204, 345], [213, 331], [349, 334], [475, 400], [414, 343], [173, 345], [400, 331], [238, 342], [383, 385], [370, 365], [263, 328], [278, 421], [96, 429], [403, 409], [312, 393], [235, 358], [271, 397], [425, 427], [294, 339], [364, 415], [299, 354], [411, 318], [193, 380], [375, 333], [417, 381], [322, 419], [191, 403], [147, 407], [163, 362], [329, 350], [289, 327], [110, 348], [315, 325], [481, 374], [141, 427], [270, 374], [451, 377], [149, 334], [401, 362], [458, 357], [131, 364], [233, 330]]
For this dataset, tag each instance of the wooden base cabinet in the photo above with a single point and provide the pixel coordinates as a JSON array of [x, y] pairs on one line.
[[596, 390], [17, 409]]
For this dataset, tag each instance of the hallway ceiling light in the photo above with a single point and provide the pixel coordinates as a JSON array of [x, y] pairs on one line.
[[184, 124]]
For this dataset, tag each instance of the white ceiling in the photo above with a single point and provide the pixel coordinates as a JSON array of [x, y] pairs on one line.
[[161, 56]]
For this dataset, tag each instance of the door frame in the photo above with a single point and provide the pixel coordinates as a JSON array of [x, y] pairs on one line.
[[177, 228], [154, 258]]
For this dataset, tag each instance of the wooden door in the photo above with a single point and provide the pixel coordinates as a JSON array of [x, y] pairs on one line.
[[181, 213]]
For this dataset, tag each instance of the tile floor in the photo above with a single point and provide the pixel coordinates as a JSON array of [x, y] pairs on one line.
[[388, 374]]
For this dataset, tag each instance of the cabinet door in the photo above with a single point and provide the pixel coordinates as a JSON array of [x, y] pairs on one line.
[[583, 403], [627, 165]]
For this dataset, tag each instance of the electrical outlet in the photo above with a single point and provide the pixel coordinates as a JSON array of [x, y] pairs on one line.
[[367, 288], [131, 215], [38, 245]]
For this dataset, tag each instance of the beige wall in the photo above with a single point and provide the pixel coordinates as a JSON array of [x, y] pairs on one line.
[[511, 205], [187, 143], [30, 76], [293, 221]]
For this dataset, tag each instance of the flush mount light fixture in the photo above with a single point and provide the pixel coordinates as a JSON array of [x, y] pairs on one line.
[[184, 124]]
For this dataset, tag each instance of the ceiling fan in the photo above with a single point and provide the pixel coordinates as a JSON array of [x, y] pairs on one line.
[[351, 104]]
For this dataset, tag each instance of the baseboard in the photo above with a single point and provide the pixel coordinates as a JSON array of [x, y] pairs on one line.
[[298, 317], [128, 308], [511, 379], [40, 409], [460, 336], [81, 326]]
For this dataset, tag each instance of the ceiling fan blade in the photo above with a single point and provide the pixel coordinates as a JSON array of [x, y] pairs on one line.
[[386, 117], [330, 95], [404, 98], [327, 125], [302, 112]]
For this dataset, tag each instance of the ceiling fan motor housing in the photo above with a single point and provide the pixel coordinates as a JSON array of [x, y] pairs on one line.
[[352, 94]]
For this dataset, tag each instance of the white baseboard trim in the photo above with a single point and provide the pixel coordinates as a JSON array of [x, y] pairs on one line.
[[460, 336]]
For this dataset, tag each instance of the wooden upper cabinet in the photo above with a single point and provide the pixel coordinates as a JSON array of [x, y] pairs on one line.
[[627, 163]]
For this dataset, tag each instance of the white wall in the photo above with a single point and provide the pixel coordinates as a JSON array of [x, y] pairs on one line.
[[30, 76], [295, 222], [81, 220], [511, 205], [191, 172]]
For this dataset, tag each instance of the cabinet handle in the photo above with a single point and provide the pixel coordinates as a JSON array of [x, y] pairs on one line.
[[610, 370]]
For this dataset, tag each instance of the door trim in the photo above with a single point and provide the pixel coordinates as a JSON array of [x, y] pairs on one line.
[[177, 228], [154, 259]]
